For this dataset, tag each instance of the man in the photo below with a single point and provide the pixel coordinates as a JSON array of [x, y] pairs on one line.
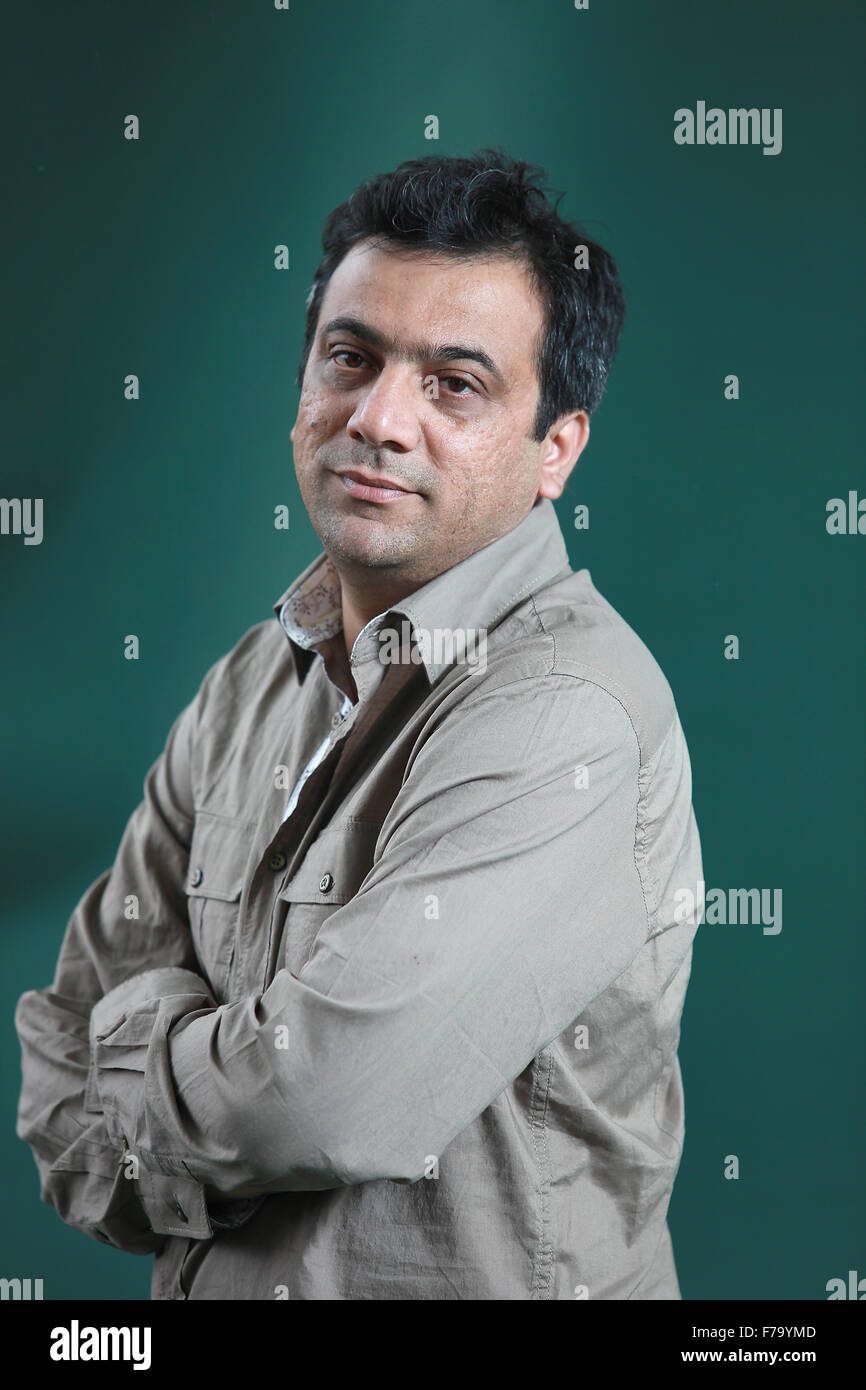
[[381, 997]]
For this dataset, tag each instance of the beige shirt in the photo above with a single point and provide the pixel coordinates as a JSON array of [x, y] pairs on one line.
[[417, 1038]]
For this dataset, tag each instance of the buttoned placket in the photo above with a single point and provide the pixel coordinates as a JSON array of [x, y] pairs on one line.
[[261, 894], [377, 686]]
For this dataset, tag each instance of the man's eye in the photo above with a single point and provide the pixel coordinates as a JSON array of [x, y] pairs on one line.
[[347, 352], [460, 381]]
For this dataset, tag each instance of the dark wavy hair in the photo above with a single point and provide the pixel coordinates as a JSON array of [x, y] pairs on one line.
[[492, 204]]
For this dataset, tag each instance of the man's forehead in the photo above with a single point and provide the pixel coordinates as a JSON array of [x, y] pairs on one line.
[[376, 258], [495, 290]]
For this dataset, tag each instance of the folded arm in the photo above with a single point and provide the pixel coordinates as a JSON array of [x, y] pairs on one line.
[[505, 899]]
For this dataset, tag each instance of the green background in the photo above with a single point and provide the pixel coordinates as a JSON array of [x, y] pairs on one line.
[[707, 515]]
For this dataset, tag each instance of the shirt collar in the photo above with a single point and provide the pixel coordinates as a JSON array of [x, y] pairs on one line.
[[470, 597]]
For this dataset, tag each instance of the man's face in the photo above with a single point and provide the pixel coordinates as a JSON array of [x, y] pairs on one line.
[[394, 387]]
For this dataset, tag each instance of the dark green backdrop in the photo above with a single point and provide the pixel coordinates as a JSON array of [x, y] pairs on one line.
[[707, 516]]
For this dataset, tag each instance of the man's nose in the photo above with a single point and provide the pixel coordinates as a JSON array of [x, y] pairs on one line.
[[386, 415]]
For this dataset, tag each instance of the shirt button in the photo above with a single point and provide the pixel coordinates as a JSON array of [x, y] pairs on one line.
[[326, 883], [196, 878], [336, 720], [277, 860]]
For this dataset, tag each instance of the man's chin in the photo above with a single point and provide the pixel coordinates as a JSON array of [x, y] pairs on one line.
[[369, 550]]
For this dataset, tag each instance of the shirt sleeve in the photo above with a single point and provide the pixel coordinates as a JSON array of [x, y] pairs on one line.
[[131, 924], [505, 896]]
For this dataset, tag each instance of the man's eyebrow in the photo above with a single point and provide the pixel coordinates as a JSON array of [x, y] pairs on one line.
[[414, 352]]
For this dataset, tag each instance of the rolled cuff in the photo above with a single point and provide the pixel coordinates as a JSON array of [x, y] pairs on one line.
[[174, 1204]]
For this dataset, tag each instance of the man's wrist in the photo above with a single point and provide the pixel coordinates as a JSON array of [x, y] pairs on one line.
[[173, 1203], [125, 998], [110, 1011]]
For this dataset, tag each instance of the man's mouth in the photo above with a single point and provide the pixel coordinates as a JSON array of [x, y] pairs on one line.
[[370, 487]]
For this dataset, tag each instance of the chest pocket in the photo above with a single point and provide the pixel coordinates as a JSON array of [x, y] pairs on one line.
[[332, 871], [218, 857]]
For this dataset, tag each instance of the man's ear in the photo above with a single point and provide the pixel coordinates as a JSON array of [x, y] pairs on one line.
[[562, 447]]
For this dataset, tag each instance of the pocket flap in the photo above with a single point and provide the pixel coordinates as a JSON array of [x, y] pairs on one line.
[[218, 857], [335, 865]]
